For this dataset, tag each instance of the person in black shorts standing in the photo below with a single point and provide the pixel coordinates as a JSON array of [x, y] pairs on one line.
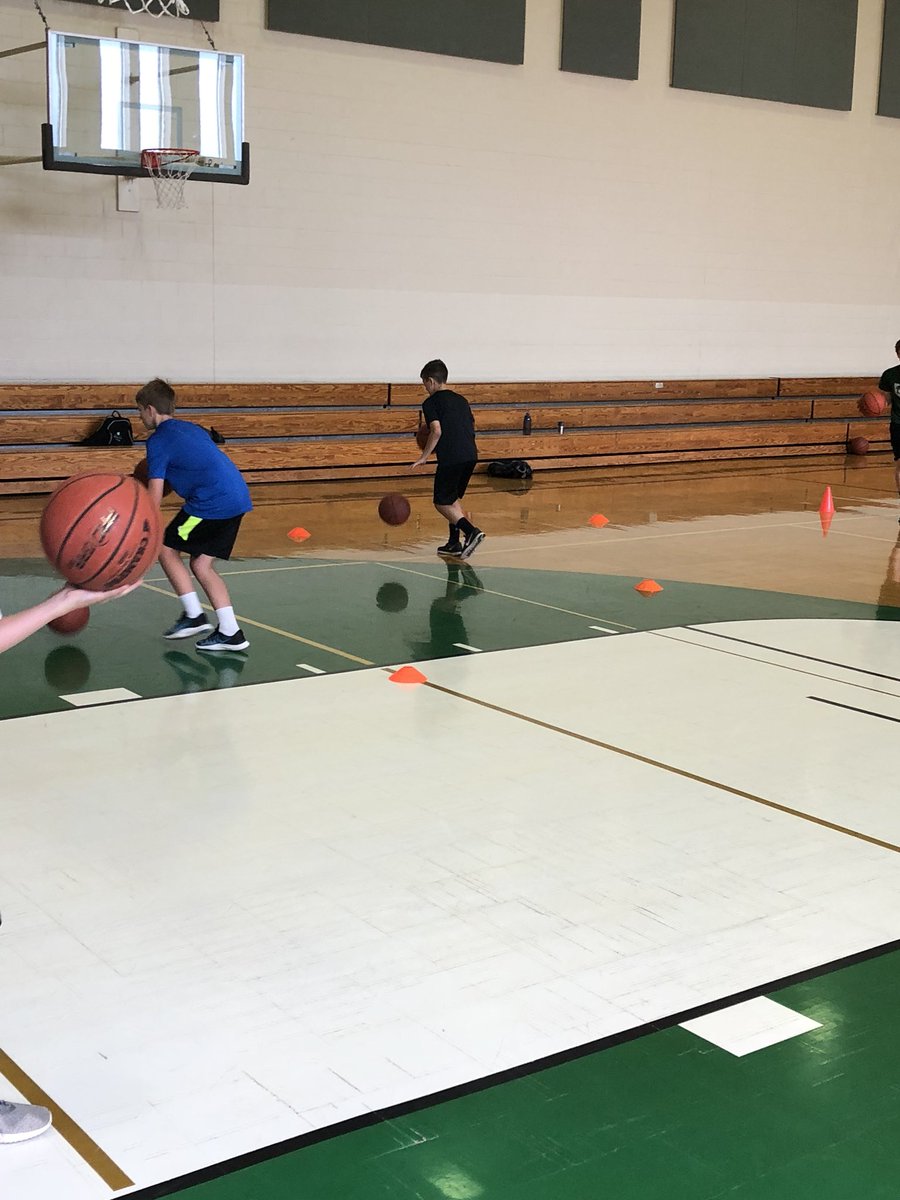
[[451, 434], [890, 384]]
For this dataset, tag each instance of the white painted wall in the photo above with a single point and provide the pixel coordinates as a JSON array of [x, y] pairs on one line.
[[520, 222]]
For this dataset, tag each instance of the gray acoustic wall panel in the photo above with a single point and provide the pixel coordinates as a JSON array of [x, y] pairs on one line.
[[889, 87], [795, 51], [201, 10], [601, 37], [485, 29]]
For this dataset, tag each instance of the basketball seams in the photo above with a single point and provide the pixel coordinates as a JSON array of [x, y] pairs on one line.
[[71, 529], [123, 541]]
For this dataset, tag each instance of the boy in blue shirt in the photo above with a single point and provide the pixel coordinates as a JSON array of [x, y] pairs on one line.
[[215, 500]]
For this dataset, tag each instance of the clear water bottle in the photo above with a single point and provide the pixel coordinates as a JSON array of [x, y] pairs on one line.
[[526, 425], [560, 428]]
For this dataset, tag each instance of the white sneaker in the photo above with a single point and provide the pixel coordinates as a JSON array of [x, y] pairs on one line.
[[19, 1122]]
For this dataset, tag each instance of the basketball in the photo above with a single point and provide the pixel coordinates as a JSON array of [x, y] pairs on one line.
[[394, 509], [141, 475], [100, 531], [421, 436], [872, 403], [70, 622], [858, 445]]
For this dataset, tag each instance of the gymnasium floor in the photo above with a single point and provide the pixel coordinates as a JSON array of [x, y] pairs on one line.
[[608, 907]]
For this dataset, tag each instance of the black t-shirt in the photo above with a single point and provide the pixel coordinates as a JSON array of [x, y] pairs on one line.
[[457, 442], [890, 383]]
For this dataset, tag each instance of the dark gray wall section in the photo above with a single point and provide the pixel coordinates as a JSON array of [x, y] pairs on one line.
[[795, 51], [601, 37], [201, 10], [485, 29], [889, 87]]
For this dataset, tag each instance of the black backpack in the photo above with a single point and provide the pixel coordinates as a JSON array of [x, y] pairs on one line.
[[114, 430], [510, 468]]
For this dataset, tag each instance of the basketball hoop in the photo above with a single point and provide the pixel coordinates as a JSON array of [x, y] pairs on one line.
[[169, 169], [156, 8]]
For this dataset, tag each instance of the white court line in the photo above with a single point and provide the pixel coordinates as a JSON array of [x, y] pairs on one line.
[[348, 562], [750, 1026], [463, 646], [312, 670], [506, 596], [646, 537], [869, 537], [107, 696], [603, 630]]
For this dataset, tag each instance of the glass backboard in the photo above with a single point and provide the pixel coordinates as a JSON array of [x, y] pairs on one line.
[[109, 99]]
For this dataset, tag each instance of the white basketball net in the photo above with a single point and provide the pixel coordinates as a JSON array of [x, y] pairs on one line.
[[156, 8], [169, 170]]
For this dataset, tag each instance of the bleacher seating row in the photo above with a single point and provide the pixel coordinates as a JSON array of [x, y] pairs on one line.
[[308, 431]]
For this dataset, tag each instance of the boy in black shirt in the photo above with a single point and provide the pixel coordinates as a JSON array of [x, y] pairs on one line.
[[451, 432], [890, 384]]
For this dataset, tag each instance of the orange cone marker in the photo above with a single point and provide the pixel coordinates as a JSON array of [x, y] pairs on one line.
[[299, 534], [647, 587], [408, 675], [827, 505], [825, 519], [598, 520]]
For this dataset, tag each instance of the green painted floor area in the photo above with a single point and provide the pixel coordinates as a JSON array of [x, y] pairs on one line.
[[338, 615], [664, 1116]]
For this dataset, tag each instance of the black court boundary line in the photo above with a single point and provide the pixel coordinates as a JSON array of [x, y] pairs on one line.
[[405, 1108], [849, 707], [727, 637]]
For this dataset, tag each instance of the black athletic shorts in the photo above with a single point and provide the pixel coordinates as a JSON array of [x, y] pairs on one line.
[[202, 535], [451, 481], [895, 439]]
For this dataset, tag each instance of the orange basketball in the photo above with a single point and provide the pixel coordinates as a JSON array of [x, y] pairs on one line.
[[858, 445], [394, 509], [101, 531], [422, 436], [142, 475], [71, 622], [872, 403]]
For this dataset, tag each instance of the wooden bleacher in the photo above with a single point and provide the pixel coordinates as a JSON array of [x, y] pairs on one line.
[[306, 431]]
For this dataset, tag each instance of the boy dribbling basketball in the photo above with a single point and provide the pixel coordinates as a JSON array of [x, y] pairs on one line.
[[215, 500], [889, 383], [451, 433]]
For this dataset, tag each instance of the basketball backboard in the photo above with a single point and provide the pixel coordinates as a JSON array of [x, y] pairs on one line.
[[108, 99]]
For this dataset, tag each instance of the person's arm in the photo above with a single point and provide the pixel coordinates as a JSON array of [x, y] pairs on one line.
[[19, 626], [434, 436], [155, 488]]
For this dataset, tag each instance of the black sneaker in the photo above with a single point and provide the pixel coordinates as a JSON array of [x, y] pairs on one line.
[[475, 538], [218, 641], [451, 548], [187, 627]]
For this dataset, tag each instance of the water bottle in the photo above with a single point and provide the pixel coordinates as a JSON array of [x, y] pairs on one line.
[[560, 428], [526, 425]]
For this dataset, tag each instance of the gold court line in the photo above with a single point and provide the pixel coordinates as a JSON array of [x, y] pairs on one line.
[[295, 637], [507, 596], [652, 762], [670, 636], [85, 1147]]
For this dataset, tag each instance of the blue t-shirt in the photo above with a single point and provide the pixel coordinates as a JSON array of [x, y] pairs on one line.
[[207, 480]]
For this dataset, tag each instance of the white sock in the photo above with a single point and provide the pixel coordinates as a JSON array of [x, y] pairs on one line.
[[190, 602], [228, 626]]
